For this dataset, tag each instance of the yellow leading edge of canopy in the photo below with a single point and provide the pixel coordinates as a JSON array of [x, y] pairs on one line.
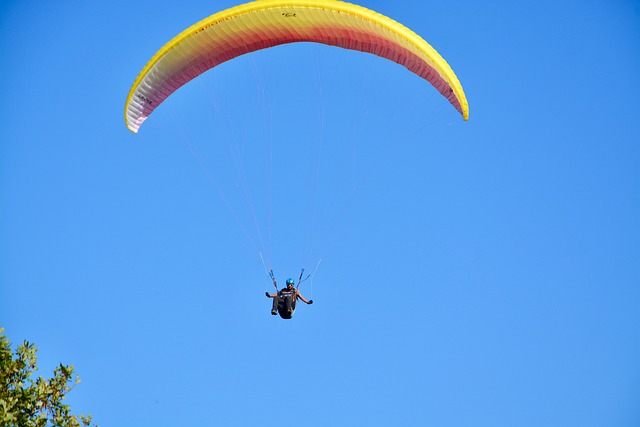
[[440, 65]]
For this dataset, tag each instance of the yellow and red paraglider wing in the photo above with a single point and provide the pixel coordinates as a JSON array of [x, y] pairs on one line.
[[266, 23]]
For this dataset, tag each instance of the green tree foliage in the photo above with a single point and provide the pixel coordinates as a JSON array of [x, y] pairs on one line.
[[26, 401]]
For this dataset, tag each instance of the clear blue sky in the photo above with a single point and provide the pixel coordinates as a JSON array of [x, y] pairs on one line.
[[480, 273]]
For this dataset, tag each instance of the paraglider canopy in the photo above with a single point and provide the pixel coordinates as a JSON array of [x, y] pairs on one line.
[[265, 23]]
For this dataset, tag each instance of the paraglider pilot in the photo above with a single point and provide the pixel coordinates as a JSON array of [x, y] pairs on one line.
[[284, 302]]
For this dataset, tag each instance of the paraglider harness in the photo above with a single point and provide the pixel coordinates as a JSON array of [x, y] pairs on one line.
[[285, 293]]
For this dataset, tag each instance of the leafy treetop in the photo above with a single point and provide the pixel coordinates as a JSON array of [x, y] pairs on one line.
[[26, 401]]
